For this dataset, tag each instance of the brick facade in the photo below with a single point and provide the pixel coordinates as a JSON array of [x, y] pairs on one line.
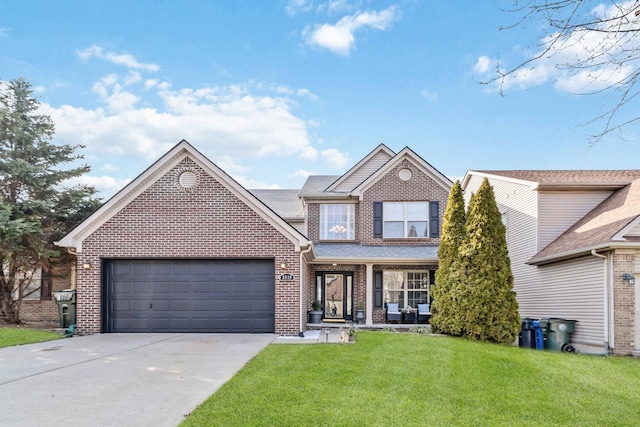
[[168, 221], [624, 304], [45, 311]]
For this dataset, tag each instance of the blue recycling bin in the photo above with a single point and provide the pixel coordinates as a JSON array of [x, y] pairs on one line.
[[538, 326]]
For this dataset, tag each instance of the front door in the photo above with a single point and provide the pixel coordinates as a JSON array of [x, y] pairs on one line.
[[337, 295]]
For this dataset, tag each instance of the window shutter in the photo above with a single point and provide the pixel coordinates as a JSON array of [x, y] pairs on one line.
[[377, 282], [434, 219], [432, 277], [377, 219], [45, 285]]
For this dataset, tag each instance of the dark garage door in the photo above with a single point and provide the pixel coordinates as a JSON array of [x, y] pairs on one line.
[[189, 296]]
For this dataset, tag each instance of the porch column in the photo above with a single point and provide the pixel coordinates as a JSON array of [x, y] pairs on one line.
[[369, 299]]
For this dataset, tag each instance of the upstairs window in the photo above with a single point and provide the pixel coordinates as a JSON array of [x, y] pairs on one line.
[[337, 222], [406, 219]]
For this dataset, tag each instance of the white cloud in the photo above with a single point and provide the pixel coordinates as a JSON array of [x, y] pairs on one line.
[[295, 6], [429, 95], [301, 173], [109, 167], [309, 154], [306, 93], [104, 184], [482, 65], [340, 38], [339, 6], [116, 58], [602, 56], [230, 118], [335, 158]]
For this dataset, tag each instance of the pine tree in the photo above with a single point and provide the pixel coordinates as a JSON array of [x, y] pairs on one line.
[[35, 209], [453, 233], [486, 301]]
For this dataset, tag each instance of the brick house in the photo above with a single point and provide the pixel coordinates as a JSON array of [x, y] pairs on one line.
[[574, 242], [185, 248]]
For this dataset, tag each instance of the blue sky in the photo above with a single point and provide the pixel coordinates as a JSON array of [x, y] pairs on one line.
[[272, 91]]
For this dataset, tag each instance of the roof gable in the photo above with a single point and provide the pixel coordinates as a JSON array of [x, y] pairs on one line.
[[603, 226], [405, 154], [158, 169], [362, 170], [562, 179]]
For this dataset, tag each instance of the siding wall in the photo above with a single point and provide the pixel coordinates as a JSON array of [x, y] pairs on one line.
[[559, 210], [571, 289], [363, 172]]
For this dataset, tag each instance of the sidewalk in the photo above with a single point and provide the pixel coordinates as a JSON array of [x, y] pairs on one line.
[[325, 335]]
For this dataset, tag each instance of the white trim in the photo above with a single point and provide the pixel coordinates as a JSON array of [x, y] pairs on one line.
[[163, 165], [370, 294], [620, 234]]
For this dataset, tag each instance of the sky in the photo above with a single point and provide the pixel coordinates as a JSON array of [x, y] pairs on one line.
[[272, 91]]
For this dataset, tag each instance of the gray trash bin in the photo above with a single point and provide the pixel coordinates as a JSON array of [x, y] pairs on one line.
[[66, 300], [558, 332]]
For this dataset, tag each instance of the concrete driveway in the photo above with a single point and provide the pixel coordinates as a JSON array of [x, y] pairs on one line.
[[118, 379]]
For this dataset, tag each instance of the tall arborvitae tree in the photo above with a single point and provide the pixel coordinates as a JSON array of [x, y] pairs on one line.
[[35, 209], [486, 300], [453, 233]]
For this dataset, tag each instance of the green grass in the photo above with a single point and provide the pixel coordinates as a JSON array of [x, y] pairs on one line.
[[17, 336], [392, 379]]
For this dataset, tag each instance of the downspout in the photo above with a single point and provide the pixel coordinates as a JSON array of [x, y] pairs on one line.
[[302, 310], [606, 300], [74, 269]]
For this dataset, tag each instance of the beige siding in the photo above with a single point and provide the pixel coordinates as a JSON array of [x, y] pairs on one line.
[[572, 289], [634, 232], [363, 172], [559, 210]]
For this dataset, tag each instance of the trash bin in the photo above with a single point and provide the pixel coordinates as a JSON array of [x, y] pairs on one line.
[[66, 300], [539, 329], [558, 331], [526, 335]]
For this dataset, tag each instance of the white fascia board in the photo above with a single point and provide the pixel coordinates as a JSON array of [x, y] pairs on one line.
[[418, 161], [467, 177], [584, 251], [394, 261], [174, 156], [632, 224]]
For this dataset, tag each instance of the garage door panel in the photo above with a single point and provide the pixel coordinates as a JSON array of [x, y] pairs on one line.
[[190, 296]]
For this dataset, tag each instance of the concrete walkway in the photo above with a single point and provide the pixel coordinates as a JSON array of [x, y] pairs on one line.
[[118, 379]]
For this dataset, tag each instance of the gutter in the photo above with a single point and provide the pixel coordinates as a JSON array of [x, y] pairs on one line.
[[607, 323], [583, 251], [301, 280]]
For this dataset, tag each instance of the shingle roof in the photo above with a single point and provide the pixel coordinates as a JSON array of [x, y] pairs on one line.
[[286, 203], [347, 251], [568, 176], [599, 226], [316, 184]]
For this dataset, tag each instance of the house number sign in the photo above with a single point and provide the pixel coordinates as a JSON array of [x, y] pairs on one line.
[[286, 277]]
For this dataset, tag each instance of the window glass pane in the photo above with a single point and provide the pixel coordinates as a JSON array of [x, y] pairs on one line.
[[393, 284], [393, 229], [336, 222], [416, 229], [393, 211], [417, 211]]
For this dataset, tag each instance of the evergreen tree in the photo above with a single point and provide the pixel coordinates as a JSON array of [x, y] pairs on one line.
[[35, 209], [444, 304], [486, 300]]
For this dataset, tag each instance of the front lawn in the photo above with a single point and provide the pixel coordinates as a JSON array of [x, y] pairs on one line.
[[10, 336], [394, 379]]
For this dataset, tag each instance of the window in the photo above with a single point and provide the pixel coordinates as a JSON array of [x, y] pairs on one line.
[[407, 288], [406, 219], [337, 222]]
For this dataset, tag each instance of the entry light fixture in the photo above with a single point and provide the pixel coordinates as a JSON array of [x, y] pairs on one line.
[[283, 266], [629, 278], [86, 265]]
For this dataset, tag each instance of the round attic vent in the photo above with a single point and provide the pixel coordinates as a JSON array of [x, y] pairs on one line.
[[404, 174], [187, 179]]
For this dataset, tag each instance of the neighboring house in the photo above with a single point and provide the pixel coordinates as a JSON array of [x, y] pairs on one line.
[[185, 248], [574, 242]]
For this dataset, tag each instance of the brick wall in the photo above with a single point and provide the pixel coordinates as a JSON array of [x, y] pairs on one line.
[[390, 188], [623, 304], [46, 311], [207, 221]]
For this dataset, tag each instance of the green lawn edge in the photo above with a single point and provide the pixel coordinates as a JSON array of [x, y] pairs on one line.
[[11, 336]]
